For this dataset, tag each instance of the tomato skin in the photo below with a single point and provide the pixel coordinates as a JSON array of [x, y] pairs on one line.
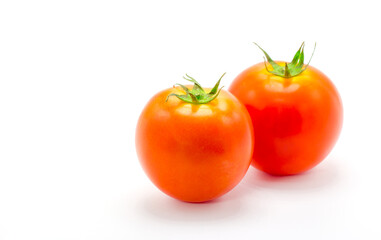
[[297, 120], [194, 153]]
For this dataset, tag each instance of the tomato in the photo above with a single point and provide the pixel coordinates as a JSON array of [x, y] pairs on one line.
[[297, 119], [194, 152]]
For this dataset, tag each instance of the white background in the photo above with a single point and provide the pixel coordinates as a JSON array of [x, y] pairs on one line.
[[75, 75]]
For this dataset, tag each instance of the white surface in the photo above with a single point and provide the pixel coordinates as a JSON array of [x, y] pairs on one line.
[[74, 76]]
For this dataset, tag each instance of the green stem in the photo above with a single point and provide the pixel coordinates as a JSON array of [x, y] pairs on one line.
[[197, 95], [289, 70]]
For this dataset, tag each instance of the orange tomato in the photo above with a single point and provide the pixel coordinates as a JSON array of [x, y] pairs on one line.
[[194, 152], [297, 120]]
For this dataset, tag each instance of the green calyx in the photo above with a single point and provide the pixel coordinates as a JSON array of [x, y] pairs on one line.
[[292, 69], [197, 95]]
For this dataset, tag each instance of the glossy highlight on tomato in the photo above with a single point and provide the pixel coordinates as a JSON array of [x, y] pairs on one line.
[[297, 119], [194, 152]]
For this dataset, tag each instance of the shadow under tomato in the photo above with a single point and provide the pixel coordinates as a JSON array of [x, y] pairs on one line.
[[322, 176], [245, 200], [228, 206], [171, 209]]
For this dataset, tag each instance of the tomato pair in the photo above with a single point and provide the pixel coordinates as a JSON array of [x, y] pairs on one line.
[[196, 145]]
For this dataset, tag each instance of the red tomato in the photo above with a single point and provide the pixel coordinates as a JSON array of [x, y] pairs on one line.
[[194, 152], [297, 119]]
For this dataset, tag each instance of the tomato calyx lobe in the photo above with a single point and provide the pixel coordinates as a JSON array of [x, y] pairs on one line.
[[197, 94], [289, 70]]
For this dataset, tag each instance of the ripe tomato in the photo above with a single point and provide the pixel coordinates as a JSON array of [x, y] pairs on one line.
[[194, 152], [297, 118]]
